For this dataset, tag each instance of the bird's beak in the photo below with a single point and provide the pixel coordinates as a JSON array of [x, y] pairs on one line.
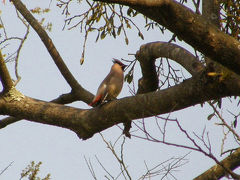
[[115, 60]]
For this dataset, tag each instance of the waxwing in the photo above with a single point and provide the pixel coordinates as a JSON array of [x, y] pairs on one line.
[[111, 86]]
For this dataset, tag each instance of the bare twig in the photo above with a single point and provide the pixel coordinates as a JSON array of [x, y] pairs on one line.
[[20, 47], [119, 159], [223, 141], [149, 137], [197, 5], [103, 167], [90, 167], [224, 122], [4, 30], [165, 170], [48, 43], [6, 168]]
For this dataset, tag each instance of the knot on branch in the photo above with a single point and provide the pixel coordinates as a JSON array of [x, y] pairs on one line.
[[13, 95]]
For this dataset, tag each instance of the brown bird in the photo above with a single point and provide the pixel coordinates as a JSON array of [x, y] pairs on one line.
[[111, 86]]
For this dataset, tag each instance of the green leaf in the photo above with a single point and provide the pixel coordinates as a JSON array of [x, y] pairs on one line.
[[103, 35], [98, 18], [129, 77], [129, 11], [113, 33], [126, 40], [82, 60], [235, 123], [141, 35], [127, 23], [210, 116], [219, 103], [119, 30]]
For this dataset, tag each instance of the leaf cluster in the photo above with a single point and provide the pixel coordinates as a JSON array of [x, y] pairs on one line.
[[32, 170], [230, 17], [38, 10], [103, 18]]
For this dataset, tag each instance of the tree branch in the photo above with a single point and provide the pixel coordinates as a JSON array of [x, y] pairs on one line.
[[149, 80], [173, 52], [217, 172], [147, 56], [211, 11], [4, 75], [192, 28], [7, 121], [84, 95], [63, 99], [86, 123]]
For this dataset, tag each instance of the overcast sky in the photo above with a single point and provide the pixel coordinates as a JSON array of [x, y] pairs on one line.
[[60, 150]]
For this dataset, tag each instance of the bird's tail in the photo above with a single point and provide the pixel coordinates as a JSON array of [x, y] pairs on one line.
[[96, 100]]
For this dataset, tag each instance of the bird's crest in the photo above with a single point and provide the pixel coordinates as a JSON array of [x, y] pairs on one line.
[[118, 62], [123, 66]]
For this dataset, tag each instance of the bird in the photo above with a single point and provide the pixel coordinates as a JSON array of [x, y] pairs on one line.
[[111, 86]]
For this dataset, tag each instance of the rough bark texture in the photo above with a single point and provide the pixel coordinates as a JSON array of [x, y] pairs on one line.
[[88, 122], [192, 28], [211, 11], [172, 51], [4, 75]]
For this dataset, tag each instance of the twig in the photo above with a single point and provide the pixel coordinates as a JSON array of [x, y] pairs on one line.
[[4, 30], [6, 168], [119, 159], [224, 122], [4, 75], [173, 163], [103, 167], [90, 167], [48, 43], [19, 48]]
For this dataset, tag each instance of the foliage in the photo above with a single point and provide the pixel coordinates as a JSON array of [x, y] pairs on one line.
[[31, 172], [230, 17]]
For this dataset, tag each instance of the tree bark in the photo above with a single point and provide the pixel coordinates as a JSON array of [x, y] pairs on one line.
[[190, 27], [217, 172], [84, 95], [4, 75], [86, 123]]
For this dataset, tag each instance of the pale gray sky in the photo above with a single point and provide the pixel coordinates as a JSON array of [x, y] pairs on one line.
[[60, 150]]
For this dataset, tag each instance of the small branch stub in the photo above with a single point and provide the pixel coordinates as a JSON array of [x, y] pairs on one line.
[[13, 95], [4, 75]]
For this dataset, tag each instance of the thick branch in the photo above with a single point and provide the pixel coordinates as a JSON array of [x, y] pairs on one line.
[[84, 94], [149, 80], [217, 172], [86, 123], [173, 52], [4, 75], [8, 120], [211, 11], [148, 54], [63, 99], [190, 27]]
